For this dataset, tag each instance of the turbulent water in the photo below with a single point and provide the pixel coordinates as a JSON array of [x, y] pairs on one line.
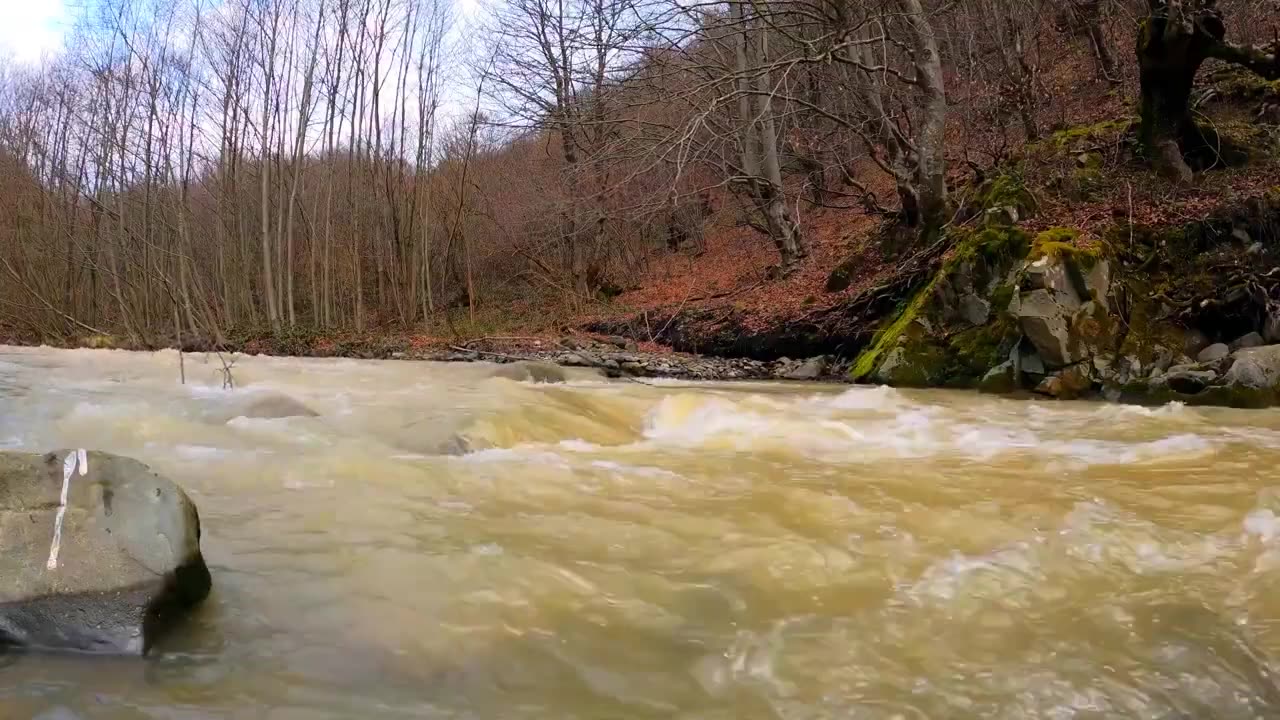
[[439, 543]]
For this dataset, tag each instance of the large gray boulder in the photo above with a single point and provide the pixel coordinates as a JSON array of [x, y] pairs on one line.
[[1063, 308], [105, 565], [1256, 368], [1214, 352]]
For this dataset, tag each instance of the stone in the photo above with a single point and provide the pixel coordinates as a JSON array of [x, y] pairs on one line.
[[1189, 382], [1271, 328], [1028, 363], [1252, 340], [527, 371], [889, 366], [631, 346], [617, 341], [1103, 366], [1098, 282], [1051, 386], [1255, 368], [127, 564], [1004, 215], [999, 380], [1069, 384], [263, 407], [810, 369], [1241, 236], [278, 406], [1076, 381], [1217, 351], [574, 360], [1193, 341], [975, 310], [1044, 321], [631, 367]]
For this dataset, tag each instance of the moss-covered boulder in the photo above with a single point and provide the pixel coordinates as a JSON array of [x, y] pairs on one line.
[[1007, 311], [956, 328], [1062, 306]]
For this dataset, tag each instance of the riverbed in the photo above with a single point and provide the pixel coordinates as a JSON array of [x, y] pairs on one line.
[[440, 543]]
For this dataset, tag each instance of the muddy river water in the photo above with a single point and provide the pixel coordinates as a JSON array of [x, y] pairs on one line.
[[440, 543]]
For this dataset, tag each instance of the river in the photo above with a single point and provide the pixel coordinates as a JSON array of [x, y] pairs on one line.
[[439, 543]]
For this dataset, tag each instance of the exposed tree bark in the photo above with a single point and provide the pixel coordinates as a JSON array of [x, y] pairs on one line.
[[758, 137], [1177, 37]]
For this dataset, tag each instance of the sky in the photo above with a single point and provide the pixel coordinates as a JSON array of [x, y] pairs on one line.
[[31, 28]]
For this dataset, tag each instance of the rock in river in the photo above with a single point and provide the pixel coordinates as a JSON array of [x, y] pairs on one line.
[[100, 554], [537, 372]]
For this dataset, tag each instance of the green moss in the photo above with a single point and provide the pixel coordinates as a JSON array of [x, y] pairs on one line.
[[1075, 136], [1062, 243], [1001, 297], [972, 352], [995, 245], [1007, 190], [975, 351], [1084, 183], [1241, 84], [923, 365], [888, 336]]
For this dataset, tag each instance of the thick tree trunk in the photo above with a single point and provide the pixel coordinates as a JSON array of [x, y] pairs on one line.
[[1175, 40]]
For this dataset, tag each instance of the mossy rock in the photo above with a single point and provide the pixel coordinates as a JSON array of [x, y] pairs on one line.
[[975, 351], [888, 337], [923, 355], [1073, 138], [1084, 183], [916, 364], [1062, 243], [994, 245], [1240, 84], [1002, 193]]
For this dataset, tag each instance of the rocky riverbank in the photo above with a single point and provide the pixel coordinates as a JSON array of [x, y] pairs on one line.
[[618, 357], [1139, 314], [1188, 313]]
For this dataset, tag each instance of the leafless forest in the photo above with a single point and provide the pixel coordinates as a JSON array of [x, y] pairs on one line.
[[189, 168]]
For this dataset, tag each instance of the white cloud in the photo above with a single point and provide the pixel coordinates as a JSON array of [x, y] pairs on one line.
[[32, 29]]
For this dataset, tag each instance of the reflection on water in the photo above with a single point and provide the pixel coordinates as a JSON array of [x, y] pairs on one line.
[[438, 543]]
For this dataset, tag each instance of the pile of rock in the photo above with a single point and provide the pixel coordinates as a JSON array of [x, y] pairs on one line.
[[1070, 335], [1247, 377], [619, 357]]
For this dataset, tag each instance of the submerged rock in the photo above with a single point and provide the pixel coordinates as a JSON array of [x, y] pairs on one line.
[[267, 407], [109, 571], [537, 372]]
